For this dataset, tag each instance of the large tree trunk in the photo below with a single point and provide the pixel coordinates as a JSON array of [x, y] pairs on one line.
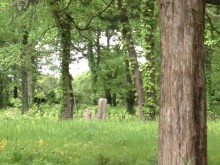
[[127, 37], [63, 21], [182, 123], [67, 99]]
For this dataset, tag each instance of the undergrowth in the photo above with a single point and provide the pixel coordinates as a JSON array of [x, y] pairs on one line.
[[40, 138]]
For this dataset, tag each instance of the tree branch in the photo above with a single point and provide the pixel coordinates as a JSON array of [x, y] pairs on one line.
[[44, 33], [68, 5], [85, 37], [211, 24], [213, 2], [91, 18]]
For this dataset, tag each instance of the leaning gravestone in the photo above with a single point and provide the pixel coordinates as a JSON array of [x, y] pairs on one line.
[[102, 106]]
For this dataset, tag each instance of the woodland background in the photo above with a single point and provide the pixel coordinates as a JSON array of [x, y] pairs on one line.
[[31, 45], [120, 40]]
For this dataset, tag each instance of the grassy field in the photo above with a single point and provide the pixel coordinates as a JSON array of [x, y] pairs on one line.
[[26, 140]]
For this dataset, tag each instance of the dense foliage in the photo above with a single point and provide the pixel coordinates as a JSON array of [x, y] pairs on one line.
[[32, 69]]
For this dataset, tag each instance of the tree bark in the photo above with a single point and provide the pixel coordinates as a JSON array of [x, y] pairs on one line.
[[66, 78], [127, 37], [182, 119], [63, 21]]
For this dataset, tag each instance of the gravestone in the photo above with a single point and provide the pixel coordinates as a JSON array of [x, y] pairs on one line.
[[102, 108], [87, 114]]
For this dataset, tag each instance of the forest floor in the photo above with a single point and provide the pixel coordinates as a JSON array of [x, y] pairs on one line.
[[37, 140]]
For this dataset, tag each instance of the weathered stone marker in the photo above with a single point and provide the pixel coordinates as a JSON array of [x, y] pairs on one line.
[[102, 108], [87, 114]]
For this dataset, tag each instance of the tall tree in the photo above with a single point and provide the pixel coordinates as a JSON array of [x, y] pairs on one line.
[[63, 21], [22, 7], [128, 39], [24, 11], [182, 119], [151, 65]]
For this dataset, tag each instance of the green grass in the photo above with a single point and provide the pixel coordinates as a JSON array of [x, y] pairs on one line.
[[214, 142], [44, 141], [35, 140]]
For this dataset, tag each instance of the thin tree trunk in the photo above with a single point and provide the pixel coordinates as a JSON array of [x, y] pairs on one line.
[[98, 49], [93, 68], [15, 89], [25, 102], [15, 92], [1, 92], [32, 79], [182, 120], [127, 37], [24, 75], [130, 97], [114, 99], [22, 6], [149, 43], [94, 63], [208, 70], [108, 96]]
